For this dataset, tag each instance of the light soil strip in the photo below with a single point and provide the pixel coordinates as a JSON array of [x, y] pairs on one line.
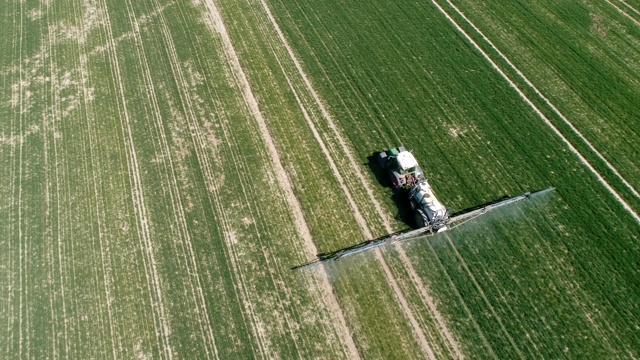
[[624, 12], [55, 118], [203, 160], [544, 98], [343, 144], [281, 174], [255, 212], [151, 272], [48, 232], [325, 113], [105, 254], [21, 246], [174, 193], [542, 116], [630, 7]]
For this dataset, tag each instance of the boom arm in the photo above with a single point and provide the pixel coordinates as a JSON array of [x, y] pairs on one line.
[[405, 235]]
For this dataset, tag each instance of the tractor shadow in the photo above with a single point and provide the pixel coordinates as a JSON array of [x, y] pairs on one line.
[[399, 197]]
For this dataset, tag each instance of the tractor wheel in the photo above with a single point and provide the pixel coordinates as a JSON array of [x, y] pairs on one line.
[[382, 159], [394, 181], [419, 218]]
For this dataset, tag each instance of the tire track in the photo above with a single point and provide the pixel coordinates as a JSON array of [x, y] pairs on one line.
[[48, 232], [146, 246], [624, 12], [174, 192], [427, 299], [281, 174], [453, 286], [21, 246], [364, 229], [535, 89], [210, 179], [582, 159], [267, 249], [55, 119], [326, 115], [105, 253], [630, 7], [381, 214], [484, 297], [263, 28]]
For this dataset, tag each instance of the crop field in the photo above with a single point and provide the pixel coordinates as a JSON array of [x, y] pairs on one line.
[[167, 163]]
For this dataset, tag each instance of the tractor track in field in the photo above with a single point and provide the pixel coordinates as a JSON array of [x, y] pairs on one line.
[[636, 11], [21, 286], [555, 130], [264, 344], [545, 99], [626, 14], [144, 236], [464, 264], [48, 231], [364, 229], [55, 115], [535, 89], [199, 142], [326, 115], [425, 297], [284, 182], [105, 253], [189, 257], [199, 145], [316, 294]]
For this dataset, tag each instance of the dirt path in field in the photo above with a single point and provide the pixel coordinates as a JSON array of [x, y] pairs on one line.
[[281, 174], [449, 339], [627, 15], [153, 279], [582, 159]]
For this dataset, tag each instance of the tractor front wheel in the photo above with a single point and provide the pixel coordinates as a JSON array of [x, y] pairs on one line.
[[382, 160]]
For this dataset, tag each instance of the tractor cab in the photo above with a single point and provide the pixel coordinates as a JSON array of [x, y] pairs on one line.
[[402, 166]]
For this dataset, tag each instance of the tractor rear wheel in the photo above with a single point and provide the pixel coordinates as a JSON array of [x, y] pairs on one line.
[[420, 218]]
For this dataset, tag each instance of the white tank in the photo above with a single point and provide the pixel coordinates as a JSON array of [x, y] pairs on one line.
[[424, 200]]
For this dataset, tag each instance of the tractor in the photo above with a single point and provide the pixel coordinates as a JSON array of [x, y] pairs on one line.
[[402, 167]]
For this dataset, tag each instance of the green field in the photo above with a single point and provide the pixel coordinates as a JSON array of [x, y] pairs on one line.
[[167, 163]]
